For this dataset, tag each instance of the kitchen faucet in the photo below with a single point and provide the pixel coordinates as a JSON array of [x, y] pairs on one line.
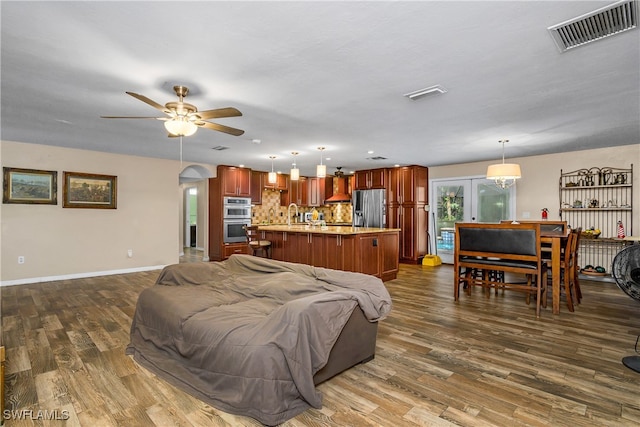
[[289, 213], [269, 215]]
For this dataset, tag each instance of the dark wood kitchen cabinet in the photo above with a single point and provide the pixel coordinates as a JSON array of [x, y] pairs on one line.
[[370, 179], [235, 181], [407, 197], [281, 184], [299, 191], [320, 189], [257, 182]]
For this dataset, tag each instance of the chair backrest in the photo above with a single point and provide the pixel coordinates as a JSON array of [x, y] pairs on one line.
[[505, 240], [252, 233], [575, 245]]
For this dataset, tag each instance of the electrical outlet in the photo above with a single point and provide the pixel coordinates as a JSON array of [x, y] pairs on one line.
[[130, 253], [20, 259]]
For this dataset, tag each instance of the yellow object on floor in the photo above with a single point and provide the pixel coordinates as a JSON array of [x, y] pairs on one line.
[[431, 260]]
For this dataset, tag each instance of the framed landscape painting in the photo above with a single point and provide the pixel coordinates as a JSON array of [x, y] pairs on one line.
[[29, 186], [88, 190]]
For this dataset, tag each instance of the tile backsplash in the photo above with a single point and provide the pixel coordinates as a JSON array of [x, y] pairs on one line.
[[334, 213]]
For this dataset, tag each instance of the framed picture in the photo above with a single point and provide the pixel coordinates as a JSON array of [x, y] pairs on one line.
[[88, 190], [30, 186]]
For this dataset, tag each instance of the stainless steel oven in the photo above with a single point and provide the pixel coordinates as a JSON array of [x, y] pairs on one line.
[[234, 230], [236, 208]]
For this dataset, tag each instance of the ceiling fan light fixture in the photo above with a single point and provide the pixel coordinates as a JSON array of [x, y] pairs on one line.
[[180, 126], [504, 174]]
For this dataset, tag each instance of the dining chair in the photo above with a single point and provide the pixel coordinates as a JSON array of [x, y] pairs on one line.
[[255, 243], [576, 265], [569, 269]]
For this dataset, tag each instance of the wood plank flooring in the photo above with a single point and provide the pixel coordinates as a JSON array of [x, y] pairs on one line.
[[484, 361]]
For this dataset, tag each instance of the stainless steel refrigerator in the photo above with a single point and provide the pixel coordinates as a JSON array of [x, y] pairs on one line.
[[369, 208]]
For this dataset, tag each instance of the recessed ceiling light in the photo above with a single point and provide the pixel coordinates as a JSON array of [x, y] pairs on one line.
[[431, 90], [370, 152], [241, 166], [256, 141]]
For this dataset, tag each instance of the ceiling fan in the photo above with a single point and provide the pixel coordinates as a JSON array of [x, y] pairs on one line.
[[183, 119]]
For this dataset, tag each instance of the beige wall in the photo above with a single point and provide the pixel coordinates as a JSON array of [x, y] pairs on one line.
[[538, 187], [61, 242]]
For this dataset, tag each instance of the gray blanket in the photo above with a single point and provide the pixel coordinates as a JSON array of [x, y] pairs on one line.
[[246, 335]]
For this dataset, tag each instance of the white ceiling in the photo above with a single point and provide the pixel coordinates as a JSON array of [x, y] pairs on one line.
[[310, 74]]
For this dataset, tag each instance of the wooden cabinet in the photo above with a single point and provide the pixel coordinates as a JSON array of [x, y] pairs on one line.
[[235, 248], [407, 184], [277, 239], [374, 253], [235, 181], [320, 189], [368, 179], [257, 183], [407, 197], [299, 192], [281, 184], [340, 252]]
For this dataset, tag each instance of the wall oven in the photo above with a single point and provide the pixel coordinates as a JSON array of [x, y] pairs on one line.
[[234, 230], [236, 208]]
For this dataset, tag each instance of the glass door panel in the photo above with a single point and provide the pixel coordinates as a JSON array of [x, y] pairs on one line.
[[465, 200], [452, 203]]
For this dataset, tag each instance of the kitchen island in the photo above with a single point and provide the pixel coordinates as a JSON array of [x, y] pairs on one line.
[[373, 251]]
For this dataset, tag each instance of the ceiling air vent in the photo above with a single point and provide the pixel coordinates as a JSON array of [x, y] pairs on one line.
[[220, 148], [607, 21], [376, 158]]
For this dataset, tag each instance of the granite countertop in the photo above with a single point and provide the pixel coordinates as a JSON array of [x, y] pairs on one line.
[[330, 229]]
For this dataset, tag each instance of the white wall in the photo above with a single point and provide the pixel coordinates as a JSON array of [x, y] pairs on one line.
[[538, 187], [61, 242]]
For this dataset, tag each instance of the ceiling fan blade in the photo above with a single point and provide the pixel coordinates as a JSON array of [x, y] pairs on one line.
[[220, 128], [146, 100], [218, 113], [132, 117]]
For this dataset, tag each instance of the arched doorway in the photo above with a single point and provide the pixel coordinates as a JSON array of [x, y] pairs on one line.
[[194, 218]]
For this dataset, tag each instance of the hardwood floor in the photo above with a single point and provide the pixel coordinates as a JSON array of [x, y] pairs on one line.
[[479, 362]]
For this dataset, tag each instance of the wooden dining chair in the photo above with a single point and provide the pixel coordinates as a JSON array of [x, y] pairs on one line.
[[569, 269], [255, 243], [576, 265]]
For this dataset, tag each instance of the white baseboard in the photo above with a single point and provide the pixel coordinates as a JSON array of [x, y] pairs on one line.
[[78, 275]]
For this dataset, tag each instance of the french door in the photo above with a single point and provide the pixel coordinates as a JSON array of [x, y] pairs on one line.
[[465, 200]]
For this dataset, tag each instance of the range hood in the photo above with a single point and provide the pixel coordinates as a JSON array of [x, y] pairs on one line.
[[341, 195]]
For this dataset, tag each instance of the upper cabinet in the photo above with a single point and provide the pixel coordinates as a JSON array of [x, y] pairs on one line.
[[407, 184], [281, 184], [299, 191], [257, 182], [371, 178], [320, 189], [235, 181]]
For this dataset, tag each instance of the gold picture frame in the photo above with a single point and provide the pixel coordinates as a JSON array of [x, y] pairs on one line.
[[29, 186], [89, 190]]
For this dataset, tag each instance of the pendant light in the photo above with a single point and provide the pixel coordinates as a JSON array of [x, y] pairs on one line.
[[272, 178], [321, 170], [504, 174], [294, 174]]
